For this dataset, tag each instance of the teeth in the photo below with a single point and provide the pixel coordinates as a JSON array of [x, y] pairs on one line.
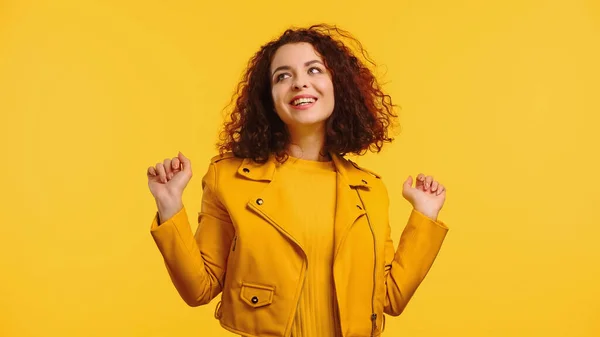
[[303, 101]]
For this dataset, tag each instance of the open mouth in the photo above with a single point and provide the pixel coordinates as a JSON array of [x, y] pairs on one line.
[[303, 101]]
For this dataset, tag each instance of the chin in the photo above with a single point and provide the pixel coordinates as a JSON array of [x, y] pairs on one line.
[[308, 116], [309, 120]]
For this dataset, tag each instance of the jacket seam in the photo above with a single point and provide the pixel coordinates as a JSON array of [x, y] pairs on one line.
[[214, 190], [200, 267]]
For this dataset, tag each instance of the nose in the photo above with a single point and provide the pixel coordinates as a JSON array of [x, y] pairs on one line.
[[300, 82]]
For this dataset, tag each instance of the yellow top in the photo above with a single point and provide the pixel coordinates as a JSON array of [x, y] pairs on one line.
[[314, 215]]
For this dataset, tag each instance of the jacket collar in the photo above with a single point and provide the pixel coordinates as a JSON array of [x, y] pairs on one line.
[[350, 172], [257, 171]]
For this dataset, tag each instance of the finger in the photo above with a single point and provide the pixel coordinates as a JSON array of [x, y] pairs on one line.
[[176, 164], [441, 189], [407, 190], [162, 174], [187, 165], [151, 171], [434, 186], [428, 181], [408, 182], [420, 181], [168, 168]]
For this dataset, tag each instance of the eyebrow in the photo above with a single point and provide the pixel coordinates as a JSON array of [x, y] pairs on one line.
[[288, 67]]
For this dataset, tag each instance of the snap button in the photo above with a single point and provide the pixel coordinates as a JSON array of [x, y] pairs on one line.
[[246, 170], [257, 295], [364, 181], [259, 201]]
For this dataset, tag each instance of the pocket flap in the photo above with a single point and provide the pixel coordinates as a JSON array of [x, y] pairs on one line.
[[257, 295]]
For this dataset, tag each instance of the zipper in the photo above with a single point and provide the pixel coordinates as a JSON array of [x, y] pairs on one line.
[[373, 314]]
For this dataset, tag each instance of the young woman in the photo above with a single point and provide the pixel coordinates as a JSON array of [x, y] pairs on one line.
[[295, 237]]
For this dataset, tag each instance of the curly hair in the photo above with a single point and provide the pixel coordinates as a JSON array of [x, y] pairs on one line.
[[359, 122]]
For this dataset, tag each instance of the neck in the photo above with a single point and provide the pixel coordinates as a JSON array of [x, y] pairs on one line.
[[307, 144]]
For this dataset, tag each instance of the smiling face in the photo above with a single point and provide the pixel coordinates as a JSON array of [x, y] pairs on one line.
[[301, 86]]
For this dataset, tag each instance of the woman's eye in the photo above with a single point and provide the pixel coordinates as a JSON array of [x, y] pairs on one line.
[[281, 77], [314, 70]]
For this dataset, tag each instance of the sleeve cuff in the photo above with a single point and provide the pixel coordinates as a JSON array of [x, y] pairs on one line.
[[420, 218], [177, 218]]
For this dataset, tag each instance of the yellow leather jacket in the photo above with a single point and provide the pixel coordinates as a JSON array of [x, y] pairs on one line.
[[244, 249]]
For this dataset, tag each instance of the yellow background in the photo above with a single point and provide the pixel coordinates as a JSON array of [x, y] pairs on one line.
[[500, 102]]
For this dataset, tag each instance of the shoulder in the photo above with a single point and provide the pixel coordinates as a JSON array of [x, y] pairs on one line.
[[225, 164], [364, 169], [221, 157], [226, 160], [221, 169], [368, 178]]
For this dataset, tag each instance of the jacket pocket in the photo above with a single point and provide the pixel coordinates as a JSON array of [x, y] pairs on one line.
[[256, 295]]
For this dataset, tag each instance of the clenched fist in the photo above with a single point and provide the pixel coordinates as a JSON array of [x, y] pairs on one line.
[[427, 196], [166, 181]]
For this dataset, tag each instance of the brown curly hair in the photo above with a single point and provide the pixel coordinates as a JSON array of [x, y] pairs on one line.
[[362, 112]]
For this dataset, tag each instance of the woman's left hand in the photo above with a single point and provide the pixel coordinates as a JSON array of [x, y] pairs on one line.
[[427, 196]]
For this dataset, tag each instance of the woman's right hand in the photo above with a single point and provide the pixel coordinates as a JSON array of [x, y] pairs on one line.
[[167, 181]]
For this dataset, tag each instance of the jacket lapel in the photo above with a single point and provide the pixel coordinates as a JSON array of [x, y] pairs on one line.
[[349, 207], [270, 206], [268, 202]]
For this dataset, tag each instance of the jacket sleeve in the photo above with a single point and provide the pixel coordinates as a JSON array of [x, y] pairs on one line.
[[197, 262], [406, 267]]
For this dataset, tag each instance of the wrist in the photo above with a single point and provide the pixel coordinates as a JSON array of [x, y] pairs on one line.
[[433, 215], [167, 210]]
